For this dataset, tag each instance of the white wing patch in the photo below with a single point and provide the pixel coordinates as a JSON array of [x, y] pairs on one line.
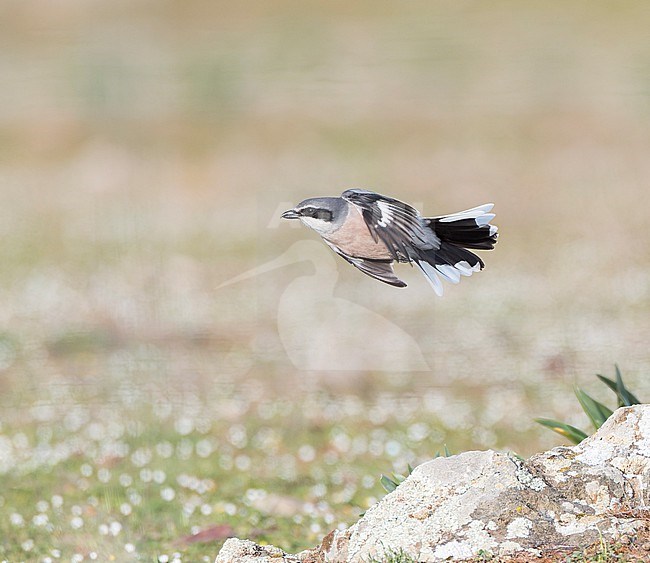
[[386, 213]]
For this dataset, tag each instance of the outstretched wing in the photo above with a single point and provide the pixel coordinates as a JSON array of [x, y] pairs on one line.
[[397, 224], [381, 270]]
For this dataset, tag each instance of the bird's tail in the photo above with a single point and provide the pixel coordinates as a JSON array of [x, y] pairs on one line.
[[457, 233]]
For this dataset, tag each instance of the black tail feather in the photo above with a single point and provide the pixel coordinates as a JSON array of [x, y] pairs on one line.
[[452, 254], [465, 233], [458, 233]]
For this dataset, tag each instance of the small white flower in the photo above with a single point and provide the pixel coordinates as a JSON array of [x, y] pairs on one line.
[[56, 553], [57, 501], [77, 558], [243, 462], [129, 547], [92, 555], [206, 509], [184, 426], [306, 453], [115, 528], [42, 506], [204, 448], [163, 559], [125, 508], [319, 490], [393, 448], [159, 476], [17, 520], [168, 493], [77, 522], [104, 475], [86, 470], [126, 480], [141, 457], [103, 529], [27, 545], [165, 449], [40, 520]]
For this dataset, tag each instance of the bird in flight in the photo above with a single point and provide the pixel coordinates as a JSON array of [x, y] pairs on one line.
[[372, 231]]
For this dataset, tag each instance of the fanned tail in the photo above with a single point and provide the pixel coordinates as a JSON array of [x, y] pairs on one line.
[[457, 233]]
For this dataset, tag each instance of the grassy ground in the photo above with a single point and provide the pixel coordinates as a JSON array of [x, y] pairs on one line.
[[146, 152]]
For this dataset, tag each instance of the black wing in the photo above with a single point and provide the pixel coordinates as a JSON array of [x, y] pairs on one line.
[[397, 224], [381, 270]]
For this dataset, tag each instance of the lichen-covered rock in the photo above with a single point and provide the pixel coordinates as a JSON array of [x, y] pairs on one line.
[[489, 502], [246, 551]]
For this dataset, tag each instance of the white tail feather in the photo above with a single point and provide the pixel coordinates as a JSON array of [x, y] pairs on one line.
[[432, 277], [473, 213], [465, 269], [448, 272]]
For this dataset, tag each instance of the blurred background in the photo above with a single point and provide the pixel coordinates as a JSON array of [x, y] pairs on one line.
[[147, 150]]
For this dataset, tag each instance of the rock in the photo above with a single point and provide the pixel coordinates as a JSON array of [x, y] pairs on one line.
[[495, 503], [246, 551]]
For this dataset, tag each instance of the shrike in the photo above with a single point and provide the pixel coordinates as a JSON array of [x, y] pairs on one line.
[[371, 231]]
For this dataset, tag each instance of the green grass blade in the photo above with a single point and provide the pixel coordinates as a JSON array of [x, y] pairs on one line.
[[447, 452], [627, 397], [571, 432], [597, 412], [388, 483], [612, 385]]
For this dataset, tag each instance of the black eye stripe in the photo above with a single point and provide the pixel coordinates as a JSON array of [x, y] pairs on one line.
[[316, 213]]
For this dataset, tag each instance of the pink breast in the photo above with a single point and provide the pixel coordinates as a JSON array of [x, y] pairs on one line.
[[355, 239]]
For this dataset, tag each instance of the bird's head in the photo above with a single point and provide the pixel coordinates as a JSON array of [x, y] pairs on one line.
[[323, 214]]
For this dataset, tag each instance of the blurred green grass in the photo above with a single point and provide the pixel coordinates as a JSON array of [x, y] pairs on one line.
[[145, 153]]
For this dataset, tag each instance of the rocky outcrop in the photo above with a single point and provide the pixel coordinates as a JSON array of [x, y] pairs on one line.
[[487, 502]]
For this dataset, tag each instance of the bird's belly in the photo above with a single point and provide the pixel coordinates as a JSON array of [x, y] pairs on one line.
[[355, 240]]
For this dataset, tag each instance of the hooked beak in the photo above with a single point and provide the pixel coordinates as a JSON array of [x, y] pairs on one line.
[[290, 214]]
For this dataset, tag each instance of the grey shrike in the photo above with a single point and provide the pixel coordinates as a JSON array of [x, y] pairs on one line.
[[371, 231]]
